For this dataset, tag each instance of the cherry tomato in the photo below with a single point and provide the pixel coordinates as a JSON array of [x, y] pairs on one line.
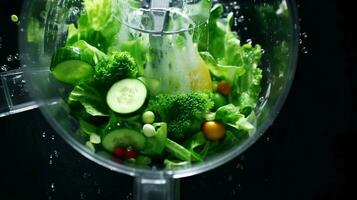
[[119, 152], [130, 153], [213, 130], [224, 88]]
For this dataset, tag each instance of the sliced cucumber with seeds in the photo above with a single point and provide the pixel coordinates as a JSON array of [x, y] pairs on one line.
[[124, 138], [127, 96]]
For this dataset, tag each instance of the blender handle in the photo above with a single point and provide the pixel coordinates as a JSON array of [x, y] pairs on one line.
[[158, 187], [14, 96]]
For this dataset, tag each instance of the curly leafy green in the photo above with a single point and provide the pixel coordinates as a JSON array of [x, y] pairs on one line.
[[90, 98]]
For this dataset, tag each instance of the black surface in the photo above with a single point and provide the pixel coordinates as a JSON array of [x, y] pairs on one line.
[[307, 153]]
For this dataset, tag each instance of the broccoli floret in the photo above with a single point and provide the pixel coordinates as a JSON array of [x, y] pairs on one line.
[[183, 112], [117, 66]]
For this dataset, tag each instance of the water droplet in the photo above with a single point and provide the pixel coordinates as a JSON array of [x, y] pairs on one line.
[[17, 56], [300, 41], [239, 166], [268, 139], [50, 162], [237, 7], [304, 35], [245, 28], [4, 67], [241, 19], [99, 191], [129, 196], [261, 99], [304, 50], [118, 124], [82, 195], [249, 41], [22, 29], [52, 137], [52, 187], [51, 156], [55, 153], [86, 175], [10, 58]]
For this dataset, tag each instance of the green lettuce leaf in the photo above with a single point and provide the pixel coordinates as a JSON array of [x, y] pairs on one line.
[[90, 98]]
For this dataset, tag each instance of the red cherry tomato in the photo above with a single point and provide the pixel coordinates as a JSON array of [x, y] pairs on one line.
[[130, 153], [119, 152], [224, 88]]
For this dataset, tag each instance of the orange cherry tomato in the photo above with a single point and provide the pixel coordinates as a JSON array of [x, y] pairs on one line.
[[224, 88], [213, 130]]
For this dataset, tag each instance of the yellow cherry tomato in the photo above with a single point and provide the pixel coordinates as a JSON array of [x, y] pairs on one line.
[[213, 130]]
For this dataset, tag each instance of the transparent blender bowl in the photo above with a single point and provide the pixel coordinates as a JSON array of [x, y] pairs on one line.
[[272, 23]]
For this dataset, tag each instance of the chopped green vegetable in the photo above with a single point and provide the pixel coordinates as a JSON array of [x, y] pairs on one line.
[[156, 144], [183, 112], [14, 18]]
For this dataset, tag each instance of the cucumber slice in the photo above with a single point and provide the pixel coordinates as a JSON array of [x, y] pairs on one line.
[[127, 96], [72, 71], [71, 64], [124, 138]]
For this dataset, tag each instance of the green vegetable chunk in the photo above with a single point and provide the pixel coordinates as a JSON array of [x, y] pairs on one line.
[[124, 138], [183, 112], [156, 144]]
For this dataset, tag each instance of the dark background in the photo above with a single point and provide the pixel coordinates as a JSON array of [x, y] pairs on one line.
[[307, 153]]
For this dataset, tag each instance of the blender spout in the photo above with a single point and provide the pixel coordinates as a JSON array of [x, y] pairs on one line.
[[157, 186]]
